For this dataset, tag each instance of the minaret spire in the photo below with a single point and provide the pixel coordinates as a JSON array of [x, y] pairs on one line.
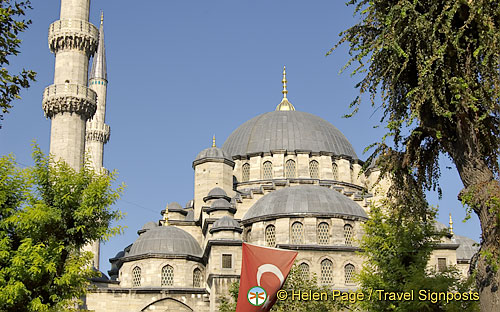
[[285, 105], [99, 62], [213, 141]]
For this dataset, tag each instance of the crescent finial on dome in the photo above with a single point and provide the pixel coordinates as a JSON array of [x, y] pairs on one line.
[[285, 105], [213, 141]]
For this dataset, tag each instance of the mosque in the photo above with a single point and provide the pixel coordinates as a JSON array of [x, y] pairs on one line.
[[284, 179]]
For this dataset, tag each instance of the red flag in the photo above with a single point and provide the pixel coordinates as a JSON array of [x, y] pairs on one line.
[[263, 272]]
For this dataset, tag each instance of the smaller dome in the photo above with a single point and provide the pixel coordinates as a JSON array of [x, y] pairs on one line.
[[220, 203], [226, 223], [148, 226], [217, 191], [212, 152], [166, 240], [174, 206], [467, 247]]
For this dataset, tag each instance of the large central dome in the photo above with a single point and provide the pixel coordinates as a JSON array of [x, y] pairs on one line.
[[287, 130]]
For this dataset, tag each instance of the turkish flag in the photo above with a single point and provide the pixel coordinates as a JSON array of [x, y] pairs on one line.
[[263, 272]]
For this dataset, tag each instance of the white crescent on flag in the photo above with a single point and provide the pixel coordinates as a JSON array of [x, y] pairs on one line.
[[271, 268]]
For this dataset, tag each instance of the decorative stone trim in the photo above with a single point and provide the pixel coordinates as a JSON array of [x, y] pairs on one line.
[[73, 34], [69, 98], [99, 132]]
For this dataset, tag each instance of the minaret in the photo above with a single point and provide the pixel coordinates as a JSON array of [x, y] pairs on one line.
[[97, 131], [69, 103]]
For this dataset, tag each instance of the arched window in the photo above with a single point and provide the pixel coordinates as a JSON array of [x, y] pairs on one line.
[[167, 275], [290, 169], [246, 172], [314, 169], [304, 270], [335, 170], [197, 278], [136, 277], [270, 236], [323, 233], [267, 170], [249, 235], [349, 273], [348, 234], [326, 272], [297, 233]]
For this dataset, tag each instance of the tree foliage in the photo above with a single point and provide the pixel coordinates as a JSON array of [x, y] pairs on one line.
[[47, 214], [11, 25], [436, 67]]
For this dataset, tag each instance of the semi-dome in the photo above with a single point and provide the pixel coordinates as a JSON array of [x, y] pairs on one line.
[[287, 130], [311, 200], [165, 240]]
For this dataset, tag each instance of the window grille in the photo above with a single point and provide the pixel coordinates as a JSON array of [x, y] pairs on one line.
[[197, 278], [326, 272], [297, 233], [267, 170], [335, 170], [348, 234], [349, 272], [136, 277], [304, 270], [441, 264], [270, 236], [323, 233], [167, 275], [246, 172], [290, 169], [227, 261], [314, 169]]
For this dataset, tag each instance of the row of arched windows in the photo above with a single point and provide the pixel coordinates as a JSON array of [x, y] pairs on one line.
[[297, 234], [290, 170], [326, 273], [167, 276]]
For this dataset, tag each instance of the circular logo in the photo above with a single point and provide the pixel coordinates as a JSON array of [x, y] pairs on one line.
[[257, 296]]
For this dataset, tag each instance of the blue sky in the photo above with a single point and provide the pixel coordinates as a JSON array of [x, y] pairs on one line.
[[181, 71]]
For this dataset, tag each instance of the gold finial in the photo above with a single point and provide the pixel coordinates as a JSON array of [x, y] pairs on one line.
[[102, 17], [285, 105], [284, 83], [451, 225], [213, 141]]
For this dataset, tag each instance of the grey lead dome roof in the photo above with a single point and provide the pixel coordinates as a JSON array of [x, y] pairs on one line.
[[287, 130], [467, 247], [304, 199], [212, 152], [166, 240]]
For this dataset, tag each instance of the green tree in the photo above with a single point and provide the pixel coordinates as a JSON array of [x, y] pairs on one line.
[[48, 212], [435, 65], [11, 24], [397, 250]]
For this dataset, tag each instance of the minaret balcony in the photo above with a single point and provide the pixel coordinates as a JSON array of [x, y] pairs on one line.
[[97, 131], [73, 34], [70, 98]]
